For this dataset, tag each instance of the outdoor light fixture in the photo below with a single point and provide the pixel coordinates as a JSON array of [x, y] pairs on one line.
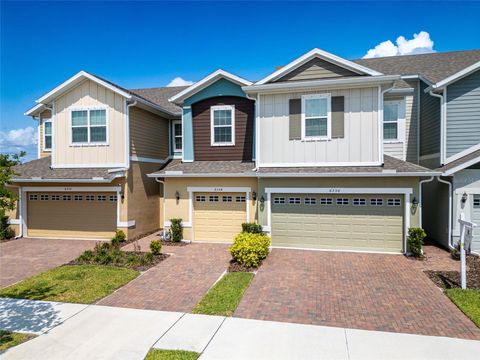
[[177, 195], [122, 195], [415, 202], [464, 198], [254, 196], [262, 200]]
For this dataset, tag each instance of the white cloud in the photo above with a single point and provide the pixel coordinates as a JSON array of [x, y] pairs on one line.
[[178, 81], [420, 44], [14, 141]]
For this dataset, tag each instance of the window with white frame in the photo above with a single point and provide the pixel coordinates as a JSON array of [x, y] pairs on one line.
[[44, 197], [89, 126], [47, 135], [393, 120], [394, 202], [342, 201], [294, 201], [376, 202], [177, 135], [222, 125], [476, 201], [310, 201], [316, 116], [33, 197], [326, 201], [240, 199], [213, 198], [359, 202], [279, 200], [200, 198]]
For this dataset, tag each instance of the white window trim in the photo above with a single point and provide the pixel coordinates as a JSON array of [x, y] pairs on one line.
[[400, 121], [329, 116], [89, 143], [176, 122], [212, 127], [45, 149]]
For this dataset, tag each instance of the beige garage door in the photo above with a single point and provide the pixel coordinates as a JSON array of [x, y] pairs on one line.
[[218, 217], [343, 222], [71, 215]]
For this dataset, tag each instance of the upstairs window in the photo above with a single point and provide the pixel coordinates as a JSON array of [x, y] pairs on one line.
[[316, 117], [177, 135], [89, 126], [47, 135], [222, 125], [393, 121]]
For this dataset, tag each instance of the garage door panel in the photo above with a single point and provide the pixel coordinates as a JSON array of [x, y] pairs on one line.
[[50, 215], [334, 226]]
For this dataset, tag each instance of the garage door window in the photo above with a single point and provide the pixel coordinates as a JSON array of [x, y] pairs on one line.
[[279, 201], [376, 202], [67, 197], [113, 198], [213, 198], [240, 199], [359, 202], [43, 197], [294, 201], [90, 197], [77, 197], [310, 201], [33, 197], [394, 202], [55, 197], [227, 198], [200, 198], [476, 202], [326, 201], [101, 198], [342, 201]]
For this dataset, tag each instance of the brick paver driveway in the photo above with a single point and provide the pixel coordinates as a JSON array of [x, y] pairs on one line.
[[23, 258], [352, 290], [177, 283]]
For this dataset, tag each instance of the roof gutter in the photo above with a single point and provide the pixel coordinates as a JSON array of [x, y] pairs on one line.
[[91, 180], [274, 175], [294, 85]]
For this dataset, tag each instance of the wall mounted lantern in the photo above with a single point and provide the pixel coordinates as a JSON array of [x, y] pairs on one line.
[[464, 198], [177, 195], [254, 196]]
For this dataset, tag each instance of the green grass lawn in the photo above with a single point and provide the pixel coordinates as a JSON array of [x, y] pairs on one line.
[[82, 284], [468, 301], [225, 296], [10, 339], [156, 354]]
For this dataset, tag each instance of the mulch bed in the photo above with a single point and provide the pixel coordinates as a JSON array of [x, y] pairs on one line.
[[236, 267], [157, 259], [451, 279], [138, 237], [173, 243]]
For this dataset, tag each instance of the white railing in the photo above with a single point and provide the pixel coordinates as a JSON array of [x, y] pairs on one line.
[[463, 259]]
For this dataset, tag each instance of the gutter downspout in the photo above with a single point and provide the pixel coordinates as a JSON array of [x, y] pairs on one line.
[[127, 134], [420, 222], [442, 121], [450, 242], [256, 127]]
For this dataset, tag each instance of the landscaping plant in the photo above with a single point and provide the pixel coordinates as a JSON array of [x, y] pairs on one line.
[[252, 228], [120, 235], [415, 240], [177, 229], [8, 199], [250, 249], [155, 247]]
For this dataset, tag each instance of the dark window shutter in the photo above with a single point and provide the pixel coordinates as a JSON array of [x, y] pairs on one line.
[[338, 117], [295, 121]]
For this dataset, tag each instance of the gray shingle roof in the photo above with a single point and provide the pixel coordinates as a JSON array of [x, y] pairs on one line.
[[467, 158], [196, 168], [160, 96], [433, 67], [40, 168]]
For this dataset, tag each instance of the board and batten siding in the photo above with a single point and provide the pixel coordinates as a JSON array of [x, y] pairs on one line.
[[463, 114], [430, 108], [360, 143], [86, 95], [316, 69], [45, 115], [149, 134]]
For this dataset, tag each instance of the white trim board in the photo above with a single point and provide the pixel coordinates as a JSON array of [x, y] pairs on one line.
[[462, 154], [320, 164], [457, 76], [461, 166], [71, 188], [148, 159]]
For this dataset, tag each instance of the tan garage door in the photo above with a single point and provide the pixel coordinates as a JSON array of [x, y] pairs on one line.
[[343, 222], [218, 217], [71, 215]]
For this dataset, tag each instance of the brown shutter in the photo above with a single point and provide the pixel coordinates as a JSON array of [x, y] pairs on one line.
[[295, 122], [338, 121]]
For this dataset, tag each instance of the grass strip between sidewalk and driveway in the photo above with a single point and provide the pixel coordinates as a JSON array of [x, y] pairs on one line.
[[84, 284], [156, 354], [468, 301], [10, 339], [224, 297]]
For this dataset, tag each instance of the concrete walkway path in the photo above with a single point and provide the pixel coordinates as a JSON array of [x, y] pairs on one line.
[[101, 332]]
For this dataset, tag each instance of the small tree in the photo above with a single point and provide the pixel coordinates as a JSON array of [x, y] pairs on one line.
[[8, 199], [415, 240], [177, 229]]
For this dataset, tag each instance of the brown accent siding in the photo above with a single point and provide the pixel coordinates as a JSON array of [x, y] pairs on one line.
[[149, 135], [317, 69], [244, 119]]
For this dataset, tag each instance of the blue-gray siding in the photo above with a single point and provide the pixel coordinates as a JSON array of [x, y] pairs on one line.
[[429, 122], [463, 114]]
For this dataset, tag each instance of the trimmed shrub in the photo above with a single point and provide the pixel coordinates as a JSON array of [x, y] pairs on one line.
[[415, 240], [250, 249], [252, 228], [120, 235], [155, 247], [177, 229], [6, 231]]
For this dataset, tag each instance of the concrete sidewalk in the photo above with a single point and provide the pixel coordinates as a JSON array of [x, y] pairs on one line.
[[99, 332]]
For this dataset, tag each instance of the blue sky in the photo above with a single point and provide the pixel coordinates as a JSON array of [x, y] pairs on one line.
[[147, 44]]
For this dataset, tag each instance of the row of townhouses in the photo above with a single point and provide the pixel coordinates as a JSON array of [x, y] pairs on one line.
[[325, 153]]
